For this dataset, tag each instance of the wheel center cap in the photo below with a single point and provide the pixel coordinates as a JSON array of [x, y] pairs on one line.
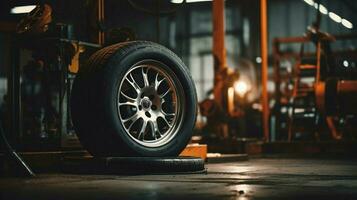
[[146, 103]]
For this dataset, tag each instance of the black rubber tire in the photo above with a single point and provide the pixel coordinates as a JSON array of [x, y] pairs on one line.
[[134, 165], [94, 101]]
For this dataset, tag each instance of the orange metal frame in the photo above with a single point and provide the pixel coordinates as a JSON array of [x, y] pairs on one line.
[[264, 55]]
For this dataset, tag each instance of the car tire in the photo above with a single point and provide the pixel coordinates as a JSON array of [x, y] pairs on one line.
[[134, 99]]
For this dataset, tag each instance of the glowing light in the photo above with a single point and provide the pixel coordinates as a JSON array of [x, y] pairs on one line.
[[332, 15], [257, 106], [335, 17], [284, 110], [177, 1], [194, 1], [231, 99], [323, 9], [347, 23], [188, 1], [241, 87], [258, 59], [22, 9], [316, 6], [345, 63], [299, 110]]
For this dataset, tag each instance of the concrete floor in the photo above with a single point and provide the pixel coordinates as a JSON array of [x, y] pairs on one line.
[[254, 179]]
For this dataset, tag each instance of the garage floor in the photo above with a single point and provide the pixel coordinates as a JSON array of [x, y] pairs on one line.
[[254, 179]]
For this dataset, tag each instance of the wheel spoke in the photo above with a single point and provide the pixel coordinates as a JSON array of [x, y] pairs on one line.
[[163, 117], [142, 130], [167, 114], [156, 127], [127, 97], [165, 93], [145, 77], [128, 103], [134, 117], [153, 129], [133, 122], [158, 82], [133, 83]]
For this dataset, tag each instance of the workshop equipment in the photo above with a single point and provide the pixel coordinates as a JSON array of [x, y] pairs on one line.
[[315, 92], [222, 109], [227, 111]]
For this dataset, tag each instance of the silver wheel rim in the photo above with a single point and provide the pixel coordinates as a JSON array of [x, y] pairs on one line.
[[150, 103]]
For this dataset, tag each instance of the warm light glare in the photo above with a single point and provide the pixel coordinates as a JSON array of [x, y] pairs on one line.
[[335, 17], [241, 87], [22, 9], [347, 23]]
